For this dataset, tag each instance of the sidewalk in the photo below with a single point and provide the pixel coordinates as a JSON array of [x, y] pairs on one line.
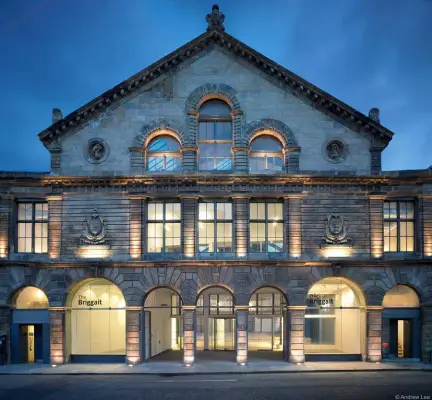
[[208, 368]]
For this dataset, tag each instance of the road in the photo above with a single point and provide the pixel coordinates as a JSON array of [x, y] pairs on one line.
[[311, 386]]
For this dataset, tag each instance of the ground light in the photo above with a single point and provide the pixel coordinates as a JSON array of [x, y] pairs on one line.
[[53, 365], [130, 365]]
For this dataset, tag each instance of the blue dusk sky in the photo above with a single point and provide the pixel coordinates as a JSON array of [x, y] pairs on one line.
[[64, 53]]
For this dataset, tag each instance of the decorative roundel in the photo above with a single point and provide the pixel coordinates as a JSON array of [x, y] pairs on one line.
[[335, 151], [97, 151]]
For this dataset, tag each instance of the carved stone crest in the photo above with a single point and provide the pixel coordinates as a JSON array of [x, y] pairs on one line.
[[94, 229], [335, 151], [336, 229], [96, 151]]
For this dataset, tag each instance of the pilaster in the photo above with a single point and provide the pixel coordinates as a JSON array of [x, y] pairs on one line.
[[189, 158], [54, 226], [242, 314], [376, 224], [373, 333], [57, 336], [135, 227], [189, 210], [5, 217], [133, 335], [296, 326], [292, 160], [241, 224], [426, 218], [293, 224], [426, 333], [189, 335]]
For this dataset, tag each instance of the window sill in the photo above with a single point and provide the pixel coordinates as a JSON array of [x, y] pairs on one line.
[[29, 257], [402, 255]]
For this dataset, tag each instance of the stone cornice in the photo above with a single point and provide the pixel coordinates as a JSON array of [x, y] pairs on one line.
[[299, 87]]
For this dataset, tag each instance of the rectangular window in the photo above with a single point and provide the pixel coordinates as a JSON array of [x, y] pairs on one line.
[[175, 304], [215, 227], [266, 303], [221, 304], [163, 227], [32, 226], [399, 224], [266, 227]]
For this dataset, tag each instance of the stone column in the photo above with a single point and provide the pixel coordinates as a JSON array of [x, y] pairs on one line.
[[137, 160], [133, 335], [57, 335], [241, 225], [189, 335], [426, 329], [295, 324], [135, 226], [293, 224], [373, 333], [375, 160], [376, 224], [292, 160], [189, 210], [54, 226], [242, 313], [189, 158]]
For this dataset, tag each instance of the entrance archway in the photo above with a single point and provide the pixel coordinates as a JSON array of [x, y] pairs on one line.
[[335, 324], [267, 307], [162, 325], [215, 324], [401, 323], [96, 323], [30, 326]]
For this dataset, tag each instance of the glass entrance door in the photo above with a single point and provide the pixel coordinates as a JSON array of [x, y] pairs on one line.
[[221, 334]]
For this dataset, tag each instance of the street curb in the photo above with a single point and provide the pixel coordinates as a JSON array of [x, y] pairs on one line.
[[174, 374]]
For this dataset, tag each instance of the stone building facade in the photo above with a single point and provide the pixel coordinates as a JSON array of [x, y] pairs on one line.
[[311, 207]]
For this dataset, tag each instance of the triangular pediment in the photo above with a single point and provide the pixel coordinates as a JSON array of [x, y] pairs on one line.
[[299, 87]]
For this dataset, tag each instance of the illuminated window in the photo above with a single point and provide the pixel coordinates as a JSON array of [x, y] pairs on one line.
[[399, 221], [221, 304], [163, 154], [33, 227], [31, 298], [175, 304], [215, 227], [266, 227], [266, 303], [163, 227], [215, 136], [266, 155]]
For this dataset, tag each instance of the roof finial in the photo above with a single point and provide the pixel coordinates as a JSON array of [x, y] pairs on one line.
[[374, 114], [216, 19], [57, 115]]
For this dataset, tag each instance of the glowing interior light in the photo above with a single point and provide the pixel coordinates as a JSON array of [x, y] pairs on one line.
[[39, 294]]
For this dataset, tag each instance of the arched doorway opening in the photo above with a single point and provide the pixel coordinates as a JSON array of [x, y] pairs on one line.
[[162, 325], [215, 323], [335, 321], [401, 323], [266, 329], [30, 326], [96, 322]]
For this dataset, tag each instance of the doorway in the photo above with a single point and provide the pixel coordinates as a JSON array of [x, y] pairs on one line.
[[221, 334], [30, 344], [400, 338]]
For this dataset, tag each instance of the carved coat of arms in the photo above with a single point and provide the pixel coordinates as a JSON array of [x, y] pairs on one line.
[[94, 229], [336, 229]]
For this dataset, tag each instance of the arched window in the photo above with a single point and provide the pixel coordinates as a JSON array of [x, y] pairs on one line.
[[266, 154], [31, 298], [215, 136], [163, 154]]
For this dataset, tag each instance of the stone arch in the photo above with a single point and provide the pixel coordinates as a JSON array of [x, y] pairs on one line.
[[77, 285], [270, 126], [155, 128], [210, 286], [275, 287], [13, 297], [211, 91], [412, 289], [156, 287], [158, 127]]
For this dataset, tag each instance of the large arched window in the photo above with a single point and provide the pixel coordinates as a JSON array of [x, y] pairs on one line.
[[163, 154], [215, 136], [266, 154], [31, 298]]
